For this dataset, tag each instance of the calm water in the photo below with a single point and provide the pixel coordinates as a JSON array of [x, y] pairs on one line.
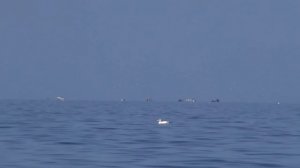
[[36, 134]]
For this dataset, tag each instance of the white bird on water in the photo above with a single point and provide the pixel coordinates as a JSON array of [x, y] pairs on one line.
[[162, 122], [60, 98]]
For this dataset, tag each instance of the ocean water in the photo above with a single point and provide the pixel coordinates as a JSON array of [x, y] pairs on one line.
[[91, 134]]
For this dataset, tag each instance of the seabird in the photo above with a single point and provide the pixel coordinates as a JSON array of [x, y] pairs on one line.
[[60, 98], [162, 122]]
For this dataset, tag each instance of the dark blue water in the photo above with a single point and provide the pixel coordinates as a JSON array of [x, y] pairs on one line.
[[35, 134]]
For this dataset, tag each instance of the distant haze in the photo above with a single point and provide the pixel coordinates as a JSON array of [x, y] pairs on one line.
[[234, 50]]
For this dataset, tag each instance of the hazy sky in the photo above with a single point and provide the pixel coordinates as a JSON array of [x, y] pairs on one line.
[[236, 50]]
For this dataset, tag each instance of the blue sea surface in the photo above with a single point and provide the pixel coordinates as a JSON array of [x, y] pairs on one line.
[[91, 134]]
